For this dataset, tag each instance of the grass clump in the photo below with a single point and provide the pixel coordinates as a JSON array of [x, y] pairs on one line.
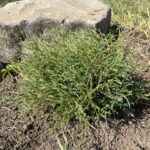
[[79, 76], [132, 14]]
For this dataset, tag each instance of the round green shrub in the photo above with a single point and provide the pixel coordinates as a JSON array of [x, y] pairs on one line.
[[78, 75]]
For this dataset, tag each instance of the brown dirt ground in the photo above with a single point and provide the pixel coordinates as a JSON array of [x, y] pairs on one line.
[[30, 131]]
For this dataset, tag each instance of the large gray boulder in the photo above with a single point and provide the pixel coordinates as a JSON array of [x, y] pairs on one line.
[[22, 19]]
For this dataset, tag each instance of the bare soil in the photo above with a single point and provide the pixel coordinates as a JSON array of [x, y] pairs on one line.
[[31, 131]]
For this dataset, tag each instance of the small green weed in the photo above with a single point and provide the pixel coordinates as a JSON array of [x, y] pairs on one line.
[[6, 72], [81, 76]]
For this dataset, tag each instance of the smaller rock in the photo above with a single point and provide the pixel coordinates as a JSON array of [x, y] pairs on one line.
[[1, 67]]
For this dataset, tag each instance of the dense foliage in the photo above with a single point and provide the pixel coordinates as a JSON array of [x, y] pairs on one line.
[[81, 76]]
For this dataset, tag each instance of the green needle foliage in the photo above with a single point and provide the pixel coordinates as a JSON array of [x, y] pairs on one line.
[[81, 76]]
